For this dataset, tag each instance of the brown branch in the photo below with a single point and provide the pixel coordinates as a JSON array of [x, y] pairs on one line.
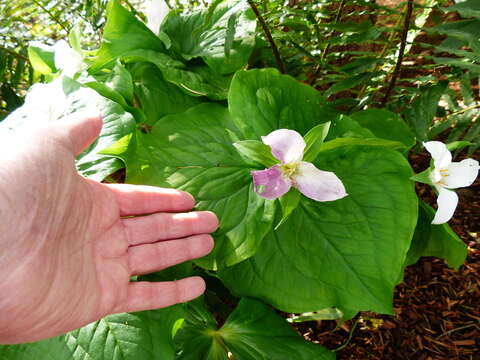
[[11, 52], [401, 52], [269, 37]]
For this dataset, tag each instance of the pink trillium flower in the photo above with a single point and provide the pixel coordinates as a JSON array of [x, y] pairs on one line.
[[448, 175], [288, 146]]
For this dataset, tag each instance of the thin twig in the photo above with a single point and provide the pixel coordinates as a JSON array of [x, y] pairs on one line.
[[57, 20], [11, 52], [401, 52], [350, 335], [338, 16], [269, 37]]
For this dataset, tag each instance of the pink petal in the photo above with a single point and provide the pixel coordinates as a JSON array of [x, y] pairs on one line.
[[317, 184], [287, 145], [270, 183]]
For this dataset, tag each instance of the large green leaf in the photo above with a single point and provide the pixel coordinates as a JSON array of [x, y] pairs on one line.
[[123, 32], [57, 100], [435, 240], [348, 253], [144, 335], [385, 125], [261, 101], [156, 96], [195, 81], [223, 37], [252, 332], [194, 151]]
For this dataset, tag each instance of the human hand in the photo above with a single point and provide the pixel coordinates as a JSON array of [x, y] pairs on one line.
[[69, 245]]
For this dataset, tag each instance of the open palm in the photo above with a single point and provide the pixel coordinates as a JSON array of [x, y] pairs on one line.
[[70, 245]]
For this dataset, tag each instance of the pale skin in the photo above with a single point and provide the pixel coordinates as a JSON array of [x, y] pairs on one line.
[[70, 245]]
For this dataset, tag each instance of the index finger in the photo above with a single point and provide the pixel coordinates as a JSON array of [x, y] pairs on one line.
[[142, 199]]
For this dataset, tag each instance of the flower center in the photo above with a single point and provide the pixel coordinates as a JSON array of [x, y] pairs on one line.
[[289, 169]]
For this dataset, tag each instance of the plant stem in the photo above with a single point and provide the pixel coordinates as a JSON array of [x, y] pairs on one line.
[[463, 110], [57, 20], [11, 52], [401, 51], [338, 16], [269, 37]]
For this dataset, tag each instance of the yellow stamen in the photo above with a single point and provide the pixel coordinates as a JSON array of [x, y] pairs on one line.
[[289, 169]]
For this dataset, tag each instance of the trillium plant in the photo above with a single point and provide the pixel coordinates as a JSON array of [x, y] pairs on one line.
[[317, 205]]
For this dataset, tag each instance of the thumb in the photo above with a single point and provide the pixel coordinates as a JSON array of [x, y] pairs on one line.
[[81, 130]]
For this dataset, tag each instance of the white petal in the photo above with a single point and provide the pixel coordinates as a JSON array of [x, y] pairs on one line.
[[67, 59], [317, 184], [287, 145], [156, 11], [447, 203], [440, 154], [461, 174]]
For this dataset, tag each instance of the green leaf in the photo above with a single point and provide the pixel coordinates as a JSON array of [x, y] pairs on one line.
[[194, 151], [347, 253], [345, 126], [256, 151], [156, 96], [423, 109], [74, 37], [423, 177], [69, 98], [288, 203], [143, 335], [123, 32], [385, 125], [467, 8], [351, 82], [457, 145], [192, 80], [346, 141], [42, 57], [435, 240], [253, 331], [121, 81], [261, 101], [223, 37], [314, 140], [461, 63], [197, 339]]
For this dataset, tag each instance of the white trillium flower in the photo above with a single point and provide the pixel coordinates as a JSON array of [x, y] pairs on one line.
[[155, 12], [67, 59], [448, 175], [288, 147]]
